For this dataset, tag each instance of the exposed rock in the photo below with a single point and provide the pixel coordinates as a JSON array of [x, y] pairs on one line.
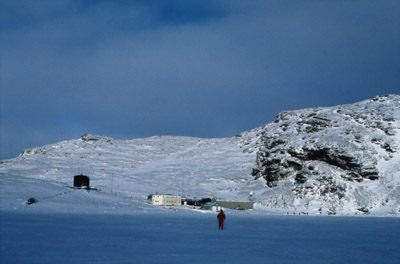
[[319, 152], [94, 138], [31, 201], [363, 209]]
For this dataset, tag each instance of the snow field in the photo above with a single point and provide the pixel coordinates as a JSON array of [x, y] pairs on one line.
[[182, 237]]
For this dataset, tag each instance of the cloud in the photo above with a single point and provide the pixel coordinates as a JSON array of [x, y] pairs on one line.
[[196, 68]]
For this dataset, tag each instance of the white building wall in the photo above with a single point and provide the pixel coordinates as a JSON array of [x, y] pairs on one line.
[[216, 208], [166, 200]]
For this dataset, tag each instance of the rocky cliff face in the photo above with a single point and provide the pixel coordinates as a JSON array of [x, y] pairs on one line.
[[333, 159]]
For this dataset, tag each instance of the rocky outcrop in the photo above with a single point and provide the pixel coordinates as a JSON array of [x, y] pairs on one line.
[[319, 152], [94, 138]]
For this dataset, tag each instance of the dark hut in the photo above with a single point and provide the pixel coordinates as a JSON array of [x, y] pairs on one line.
[[81, 181]]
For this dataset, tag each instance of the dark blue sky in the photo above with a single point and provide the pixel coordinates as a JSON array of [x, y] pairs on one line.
[[131, 69]]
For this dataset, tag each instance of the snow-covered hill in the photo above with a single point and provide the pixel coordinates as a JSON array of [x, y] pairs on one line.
[[125, 172], [336, 160]]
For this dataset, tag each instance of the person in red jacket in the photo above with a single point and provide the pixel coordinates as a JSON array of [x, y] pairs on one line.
[[221, 217]]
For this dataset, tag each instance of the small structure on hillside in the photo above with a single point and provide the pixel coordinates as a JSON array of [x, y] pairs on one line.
[[81, 181], [166, 200], [194, 202], [237, 205], [215, 206], [212, 206]]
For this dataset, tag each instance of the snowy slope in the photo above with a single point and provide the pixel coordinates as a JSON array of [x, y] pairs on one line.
[[343, 160], [125, 172]]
